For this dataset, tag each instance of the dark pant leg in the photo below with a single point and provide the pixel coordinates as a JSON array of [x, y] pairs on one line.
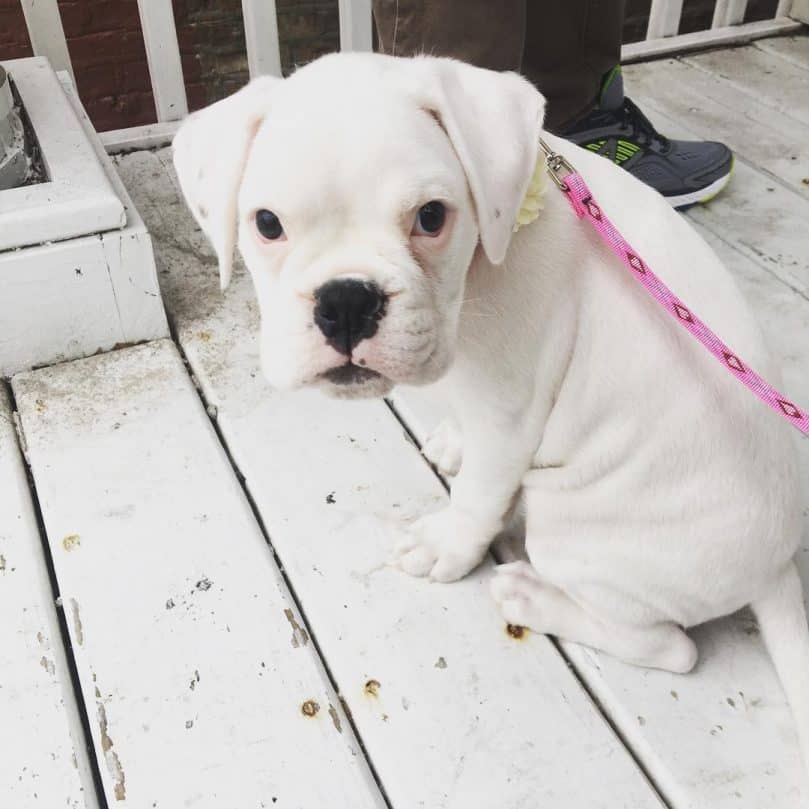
[[565, 46], [569, 46], [486, 33]]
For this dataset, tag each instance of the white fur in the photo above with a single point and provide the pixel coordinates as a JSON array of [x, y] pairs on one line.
[[658, 492]]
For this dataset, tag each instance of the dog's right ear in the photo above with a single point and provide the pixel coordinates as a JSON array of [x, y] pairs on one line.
[[210, 153]]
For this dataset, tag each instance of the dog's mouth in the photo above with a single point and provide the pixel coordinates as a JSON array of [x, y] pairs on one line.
[[349, 374]]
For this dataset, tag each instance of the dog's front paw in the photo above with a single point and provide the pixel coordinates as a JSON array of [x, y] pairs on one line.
[[445, 546], [444, 448]]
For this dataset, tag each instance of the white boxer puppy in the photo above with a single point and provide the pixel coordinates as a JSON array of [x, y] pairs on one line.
[[374, 201]]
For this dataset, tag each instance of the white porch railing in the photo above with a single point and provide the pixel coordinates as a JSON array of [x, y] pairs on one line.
[[663, 35], [263, 52]]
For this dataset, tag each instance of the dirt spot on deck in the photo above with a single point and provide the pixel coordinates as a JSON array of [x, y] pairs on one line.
[[310, 708], [516, 632], [78, 629], [71, 542], [335, 718], [372, 688], [114, 767], [300, 637]]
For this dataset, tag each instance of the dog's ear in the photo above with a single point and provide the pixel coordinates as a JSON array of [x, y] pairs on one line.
[[210, 153], [493, 121]]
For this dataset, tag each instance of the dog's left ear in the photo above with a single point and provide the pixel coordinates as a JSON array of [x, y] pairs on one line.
[[210, 153], [493, 121]]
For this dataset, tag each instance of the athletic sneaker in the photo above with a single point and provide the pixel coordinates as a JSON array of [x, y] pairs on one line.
[[684, 172]]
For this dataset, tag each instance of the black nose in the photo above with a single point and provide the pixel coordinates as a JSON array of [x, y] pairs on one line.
[[348, 311]]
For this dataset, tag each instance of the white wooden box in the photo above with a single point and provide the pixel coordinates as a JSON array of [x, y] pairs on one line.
[[77, 270]]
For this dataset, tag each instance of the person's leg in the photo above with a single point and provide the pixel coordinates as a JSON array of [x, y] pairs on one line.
[[483, 33], [572, 54], [569, 48]]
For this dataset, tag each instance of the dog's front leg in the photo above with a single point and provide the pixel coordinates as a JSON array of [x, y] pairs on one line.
[[497, 453]]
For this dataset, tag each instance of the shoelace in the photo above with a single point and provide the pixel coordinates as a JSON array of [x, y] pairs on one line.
[[633, 119]]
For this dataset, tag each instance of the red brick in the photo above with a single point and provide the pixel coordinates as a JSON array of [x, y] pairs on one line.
[[83, 17], [133, 108], [106, 48], [14, 41]]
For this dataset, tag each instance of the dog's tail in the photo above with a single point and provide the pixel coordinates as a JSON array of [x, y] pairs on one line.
[[782, 620]]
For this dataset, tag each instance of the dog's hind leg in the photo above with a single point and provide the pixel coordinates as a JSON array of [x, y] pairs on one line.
[[524, 599]]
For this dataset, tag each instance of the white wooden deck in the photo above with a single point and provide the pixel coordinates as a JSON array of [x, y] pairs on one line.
[[234, 638]]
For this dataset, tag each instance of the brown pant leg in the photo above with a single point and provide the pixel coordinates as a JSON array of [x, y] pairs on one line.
[[565, 46], [486, 33], [569, 46]]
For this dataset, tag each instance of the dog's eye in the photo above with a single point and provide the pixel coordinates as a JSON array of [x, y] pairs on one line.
[[430, 219], [269, 225]]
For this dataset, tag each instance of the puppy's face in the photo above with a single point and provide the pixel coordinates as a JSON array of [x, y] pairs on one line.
[[357, 192], [357, 226]]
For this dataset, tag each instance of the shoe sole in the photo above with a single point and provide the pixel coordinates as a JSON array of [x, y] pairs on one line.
[[703, 194]]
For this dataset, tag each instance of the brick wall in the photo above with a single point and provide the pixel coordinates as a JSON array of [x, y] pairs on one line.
[[109, 59]]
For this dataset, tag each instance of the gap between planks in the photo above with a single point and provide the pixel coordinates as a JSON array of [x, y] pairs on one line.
[[211, 412], [56, 642]]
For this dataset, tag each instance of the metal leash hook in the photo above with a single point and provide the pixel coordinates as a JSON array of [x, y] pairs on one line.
[[557, 166]]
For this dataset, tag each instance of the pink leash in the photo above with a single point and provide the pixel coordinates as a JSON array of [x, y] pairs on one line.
[[581, 198]]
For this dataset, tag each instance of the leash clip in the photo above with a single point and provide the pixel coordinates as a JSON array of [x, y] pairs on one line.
[[557, 166]]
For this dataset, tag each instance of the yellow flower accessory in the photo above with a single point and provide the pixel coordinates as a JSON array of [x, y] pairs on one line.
[[533, 202]]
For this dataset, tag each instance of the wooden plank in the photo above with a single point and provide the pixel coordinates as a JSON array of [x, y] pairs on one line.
[[163, 57], [149, 136], [712, 38], [799, 10], [355, 25], [794, 49], [712, 107], [43, 762], [756, 214], [775, 82], [664, 18], [194, 663], [46, 33], [261, 35], [763, 220], [483, 720]]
